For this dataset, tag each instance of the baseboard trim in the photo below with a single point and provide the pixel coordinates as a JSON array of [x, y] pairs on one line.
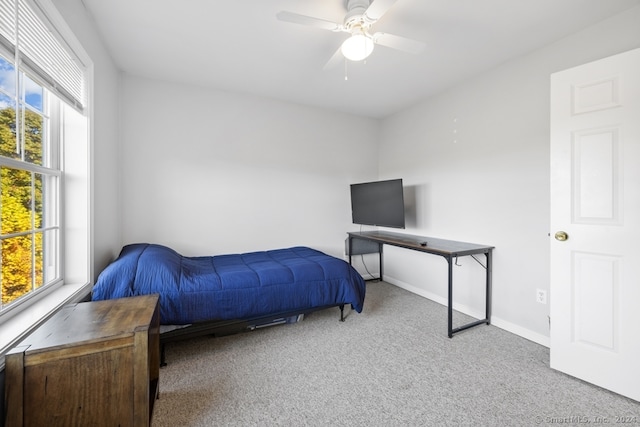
[[495, 321]]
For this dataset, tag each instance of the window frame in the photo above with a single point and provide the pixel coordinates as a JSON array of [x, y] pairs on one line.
[[75, 200], [50, 167]]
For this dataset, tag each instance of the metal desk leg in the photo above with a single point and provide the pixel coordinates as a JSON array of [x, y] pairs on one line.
[[488, 295], [450, 308], [381, 263], [487, 319]]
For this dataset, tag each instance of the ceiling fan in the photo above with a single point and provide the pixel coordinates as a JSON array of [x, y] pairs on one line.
[[360, 17]]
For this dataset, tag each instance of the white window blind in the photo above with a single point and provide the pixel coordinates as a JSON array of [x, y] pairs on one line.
[[26, 35]]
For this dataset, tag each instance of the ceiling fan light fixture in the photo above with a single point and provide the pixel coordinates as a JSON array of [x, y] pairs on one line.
[[357, 47]]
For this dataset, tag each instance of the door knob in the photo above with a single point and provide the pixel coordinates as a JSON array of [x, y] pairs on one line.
[[561, 236]]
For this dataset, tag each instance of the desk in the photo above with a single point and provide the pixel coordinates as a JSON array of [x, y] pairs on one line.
[[448, 249]]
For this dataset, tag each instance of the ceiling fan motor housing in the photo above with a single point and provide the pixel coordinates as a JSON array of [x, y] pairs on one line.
[[355, 13]]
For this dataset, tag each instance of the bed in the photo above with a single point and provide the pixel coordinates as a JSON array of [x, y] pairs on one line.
[[199, 295]]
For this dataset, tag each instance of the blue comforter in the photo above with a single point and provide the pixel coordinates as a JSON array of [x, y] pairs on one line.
[[224, 287]]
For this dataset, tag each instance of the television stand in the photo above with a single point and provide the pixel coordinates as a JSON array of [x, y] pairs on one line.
[[448, 249]]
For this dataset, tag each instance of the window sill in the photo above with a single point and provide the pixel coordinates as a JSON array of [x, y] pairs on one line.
[[21, 324]]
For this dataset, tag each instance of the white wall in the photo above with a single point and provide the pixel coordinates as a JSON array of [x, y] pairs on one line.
[[209, 172], [106, 79], [476, 161]]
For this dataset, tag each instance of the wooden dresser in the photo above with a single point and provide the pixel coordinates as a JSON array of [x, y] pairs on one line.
[[91, 364]]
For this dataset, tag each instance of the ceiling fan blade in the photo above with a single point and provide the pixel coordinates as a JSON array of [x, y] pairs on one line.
[[334, 61], [397, 42], [377, 9], [308, 20]]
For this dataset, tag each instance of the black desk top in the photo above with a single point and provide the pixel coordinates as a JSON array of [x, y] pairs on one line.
[[447, 248]]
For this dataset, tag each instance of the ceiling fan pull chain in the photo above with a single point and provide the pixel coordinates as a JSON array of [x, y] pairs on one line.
[[346, 77]]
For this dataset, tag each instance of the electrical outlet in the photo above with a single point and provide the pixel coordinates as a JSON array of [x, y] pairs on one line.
[[541, 296]]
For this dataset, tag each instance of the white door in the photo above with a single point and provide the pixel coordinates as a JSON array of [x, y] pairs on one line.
[[595, 200]]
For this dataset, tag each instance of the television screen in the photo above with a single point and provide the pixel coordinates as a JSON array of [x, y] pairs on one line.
[[378, 203]]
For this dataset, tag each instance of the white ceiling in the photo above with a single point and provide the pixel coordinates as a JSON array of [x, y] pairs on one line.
[[240, 46]]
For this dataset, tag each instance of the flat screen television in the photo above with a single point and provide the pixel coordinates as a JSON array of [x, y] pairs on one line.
[[379, 203]]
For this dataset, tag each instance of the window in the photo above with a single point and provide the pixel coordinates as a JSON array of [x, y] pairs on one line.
[[42, 104], [29, 187]]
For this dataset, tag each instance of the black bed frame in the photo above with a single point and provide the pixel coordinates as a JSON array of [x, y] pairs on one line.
[[219, 328]]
